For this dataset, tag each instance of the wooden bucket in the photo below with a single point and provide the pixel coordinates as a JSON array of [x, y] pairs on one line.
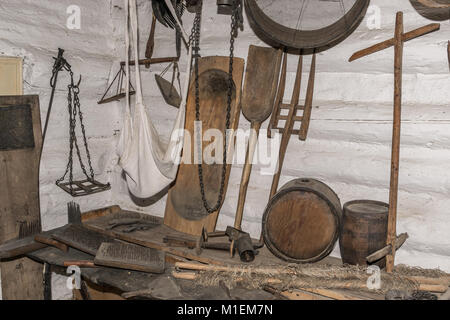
[[302, 221], [364, 231]]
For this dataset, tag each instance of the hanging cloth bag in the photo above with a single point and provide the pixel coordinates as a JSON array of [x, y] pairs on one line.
[[150, 165]]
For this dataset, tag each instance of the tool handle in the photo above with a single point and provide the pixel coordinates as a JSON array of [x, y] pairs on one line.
[[179, 242], [151, 41], [51, 242], [253, 140], [216, 246], [80, 263]]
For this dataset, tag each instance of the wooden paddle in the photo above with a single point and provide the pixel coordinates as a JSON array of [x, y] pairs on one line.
[[184, 207], [257, 105]]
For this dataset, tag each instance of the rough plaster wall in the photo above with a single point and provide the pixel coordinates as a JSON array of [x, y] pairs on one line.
[[34, 30], [348, 145]]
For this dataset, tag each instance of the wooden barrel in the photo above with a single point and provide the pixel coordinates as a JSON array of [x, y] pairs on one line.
[[301, 223], [364, 231]]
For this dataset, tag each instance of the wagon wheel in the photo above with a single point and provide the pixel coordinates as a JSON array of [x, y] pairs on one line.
[[305, 25]]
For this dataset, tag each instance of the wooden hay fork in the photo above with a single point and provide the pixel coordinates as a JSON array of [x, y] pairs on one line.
[[399, 38]]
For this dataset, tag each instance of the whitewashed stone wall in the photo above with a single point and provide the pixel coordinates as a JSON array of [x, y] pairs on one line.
[[348, 145]]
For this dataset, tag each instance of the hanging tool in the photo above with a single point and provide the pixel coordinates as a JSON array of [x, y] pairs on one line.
[[257, 105], [168, 91], [227, 7], [88, 185], [397, 42], [196, 43], [119, 93], [58, 66], [292, 116]]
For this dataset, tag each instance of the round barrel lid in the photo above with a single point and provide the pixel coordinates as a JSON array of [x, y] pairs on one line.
[[300, 226], [367, 207]]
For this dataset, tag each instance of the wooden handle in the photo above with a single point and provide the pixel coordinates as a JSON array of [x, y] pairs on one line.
[[151, 40], [253, 139], [85, 216], [377, 255], [151, 61], [80, 263], [279, 97], [51, 242], [306, 118]]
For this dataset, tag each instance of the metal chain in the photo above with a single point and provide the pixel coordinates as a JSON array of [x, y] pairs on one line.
[[195, 40], [74, 108]]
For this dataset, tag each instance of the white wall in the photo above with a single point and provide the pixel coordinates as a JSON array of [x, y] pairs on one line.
[[34, 30], [348, 145]]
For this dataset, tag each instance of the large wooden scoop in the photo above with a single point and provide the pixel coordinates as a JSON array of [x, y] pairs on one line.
[[261, 81]]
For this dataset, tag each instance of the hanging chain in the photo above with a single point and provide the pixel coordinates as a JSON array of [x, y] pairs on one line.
[[74, 108], [194, 40]]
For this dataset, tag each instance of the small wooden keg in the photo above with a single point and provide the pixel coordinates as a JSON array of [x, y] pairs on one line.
[[364, 231], [301, 223]]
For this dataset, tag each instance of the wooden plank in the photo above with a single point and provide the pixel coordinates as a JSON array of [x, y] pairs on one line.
[[15, 248], [19, 182], [187, 214], [11, 74]]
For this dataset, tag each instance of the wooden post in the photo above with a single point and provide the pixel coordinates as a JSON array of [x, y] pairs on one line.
[[395, 157], [399, 38], [21, 279]]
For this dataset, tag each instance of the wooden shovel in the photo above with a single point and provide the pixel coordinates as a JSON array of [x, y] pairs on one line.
[[257, 105]]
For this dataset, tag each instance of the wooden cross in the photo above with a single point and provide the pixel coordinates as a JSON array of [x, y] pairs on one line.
[[399, 38]]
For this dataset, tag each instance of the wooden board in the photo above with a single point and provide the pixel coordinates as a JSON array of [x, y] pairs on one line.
[[19, 197], [11, 71], [186, 213], [131, 257], [81, 238]]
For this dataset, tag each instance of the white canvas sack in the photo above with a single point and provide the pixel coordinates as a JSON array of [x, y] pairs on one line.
[[149, 164]]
